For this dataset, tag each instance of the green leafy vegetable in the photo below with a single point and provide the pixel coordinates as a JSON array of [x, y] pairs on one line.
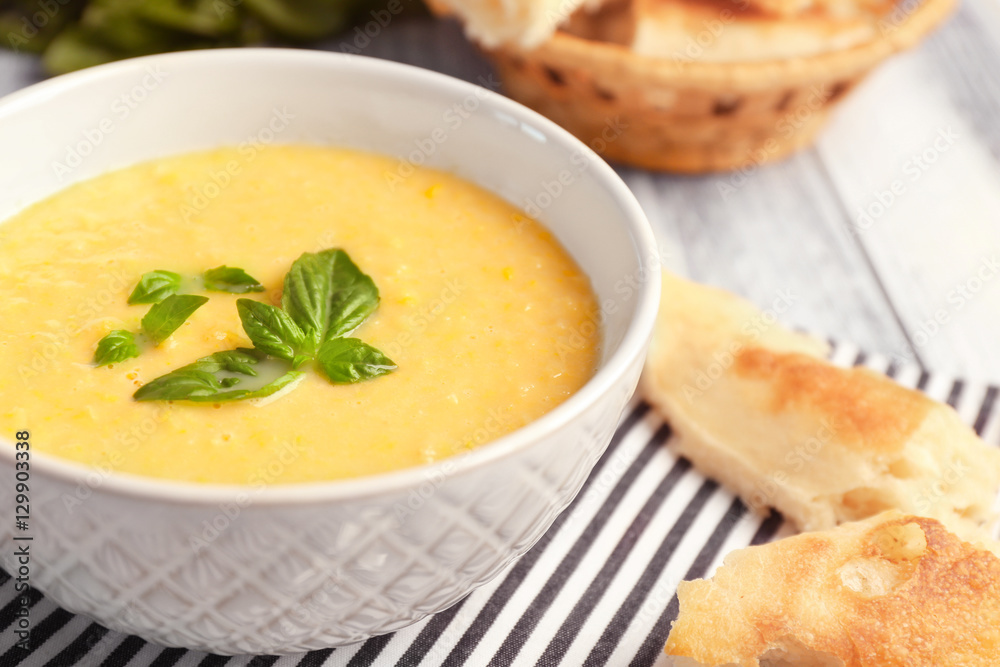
[[328, 296], [271, 329], [306, 294], [165, 317], [79, 33], [354, 298], [303, 19], [169, 311], [349, 360], [154, 287], [230, 279], [211, 379], [116, 347]]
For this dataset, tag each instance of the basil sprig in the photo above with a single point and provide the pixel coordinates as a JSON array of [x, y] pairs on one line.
[[326, 296], [230, 279], [154, 287], [213, 378], [115, 347], [168, 315]]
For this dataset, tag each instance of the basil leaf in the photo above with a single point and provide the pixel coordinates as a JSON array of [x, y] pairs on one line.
[[230, 279], [210, 380], [241, 360], [154, 287], [272, 387], [165, 317], [349, 360], [306, 294], [185, 383], [328, 296], [116, 347], [271, 329], [354, 297]]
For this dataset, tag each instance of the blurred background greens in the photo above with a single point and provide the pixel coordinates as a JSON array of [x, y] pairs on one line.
[[74, 34]]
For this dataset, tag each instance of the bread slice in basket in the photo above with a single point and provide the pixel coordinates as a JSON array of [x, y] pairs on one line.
[[759, 408], [890, 591], [723, 31], [495, 22]]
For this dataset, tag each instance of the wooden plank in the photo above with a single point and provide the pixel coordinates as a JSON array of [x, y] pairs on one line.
[[913, 155], [778, 231]]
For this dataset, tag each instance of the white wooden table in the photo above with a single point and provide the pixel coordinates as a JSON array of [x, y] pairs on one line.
[[915, 277]]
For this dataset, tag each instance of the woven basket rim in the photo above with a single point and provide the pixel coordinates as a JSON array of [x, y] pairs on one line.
[[577, 53]]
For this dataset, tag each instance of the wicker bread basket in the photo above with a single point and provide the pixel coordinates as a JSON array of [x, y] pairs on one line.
[[696, 116]]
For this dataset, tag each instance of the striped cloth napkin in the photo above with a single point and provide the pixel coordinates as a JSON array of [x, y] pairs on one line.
[[597, 589]]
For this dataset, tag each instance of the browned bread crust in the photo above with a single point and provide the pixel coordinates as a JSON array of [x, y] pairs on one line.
[[891, 591]]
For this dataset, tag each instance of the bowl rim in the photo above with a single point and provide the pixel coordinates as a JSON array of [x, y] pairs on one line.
[[632, 345]]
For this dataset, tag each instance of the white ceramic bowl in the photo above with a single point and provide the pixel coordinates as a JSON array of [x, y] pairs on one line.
[[299, 567]]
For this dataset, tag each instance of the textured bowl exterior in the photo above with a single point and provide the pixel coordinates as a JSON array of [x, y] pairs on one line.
[[285, 569]]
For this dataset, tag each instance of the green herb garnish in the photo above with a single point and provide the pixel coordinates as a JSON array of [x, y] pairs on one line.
[[326, 297], [347, 360], [212, 378], [168, 315], [170, 310], [271, 329], [155, 286], [116, 347], [230, 279]]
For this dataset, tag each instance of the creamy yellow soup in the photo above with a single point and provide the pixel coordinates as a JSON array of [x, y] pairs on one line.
[[489, 320]]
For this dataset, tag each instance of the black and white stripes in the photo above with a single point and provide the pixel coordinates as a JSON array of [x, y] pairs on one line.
[[597, 589]]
